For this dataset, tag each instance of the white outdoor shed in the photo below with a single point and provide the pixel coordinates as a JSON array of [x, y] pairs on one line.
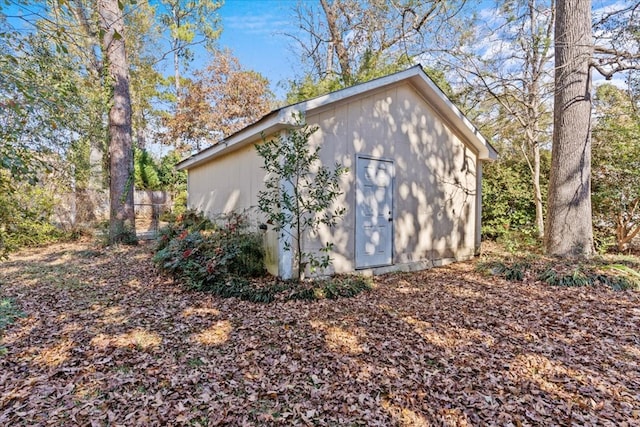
[[413, 191]]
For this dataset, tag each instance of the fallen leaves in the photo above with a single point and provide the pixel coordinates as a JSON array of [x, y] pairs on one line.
[[107, 341]]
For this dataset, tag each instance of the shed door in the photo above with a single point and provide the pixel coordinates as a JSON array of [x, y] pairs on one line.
[[374, 212]]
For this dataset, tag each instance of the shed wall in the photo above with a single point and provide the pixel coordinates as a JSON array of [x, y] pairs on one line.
[[435, 186], [435, 176], [230, 183]]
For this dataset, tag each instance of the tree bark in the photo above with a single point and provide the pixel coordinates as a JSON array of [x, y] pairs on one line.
[[336, 42], [121, 179], [569, 226]]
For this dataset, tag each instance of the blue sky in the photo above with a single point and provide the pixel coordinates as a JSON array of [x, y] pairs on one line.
[[254, 30]]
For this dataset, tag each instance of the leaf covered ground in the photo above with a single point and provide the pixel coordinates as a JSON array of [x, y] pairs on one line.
[[105, 340]]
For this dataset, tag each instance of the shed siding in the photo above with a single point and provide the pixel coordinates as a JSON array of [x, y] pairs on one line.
[[230, 183], [435, 176]]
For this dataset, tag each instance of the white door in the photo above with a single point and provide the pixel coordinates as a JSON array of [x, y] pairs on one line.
[[374, 212]]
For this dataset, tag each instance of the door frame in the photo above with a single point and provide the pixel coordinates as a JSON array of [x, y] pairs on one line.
[[393, 208]]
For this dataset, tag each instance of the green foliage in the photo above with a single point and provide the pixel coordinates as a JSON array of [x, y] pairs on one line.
[[624, 276], [146, 171], [25, 219], [174, 181], [603, 239], [575, 277], [208, 257], [171, 179], [308, 87], [299, 193], [565, 273], [228, 260], [8, 313], [508, 209], [616, 166], [514, 270], [122, 234], [341, 286], [189, 221], [47, 115]]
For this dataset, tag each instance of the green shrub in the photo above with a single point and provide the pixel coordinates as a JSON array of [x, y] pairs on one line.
[[180, 203], [206, 257], [339, 286], [620, 277], [189, 221], [576, 277], [25, 219], [513, 270], [228, 260], [520, 241]]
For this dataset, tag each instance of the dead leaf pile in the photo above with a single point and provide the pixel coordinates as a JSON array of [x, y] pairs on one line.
[[108, 341]]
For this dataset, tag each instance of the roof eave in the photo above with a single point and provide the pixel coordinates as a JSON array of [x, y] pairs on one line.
[[271, 123]]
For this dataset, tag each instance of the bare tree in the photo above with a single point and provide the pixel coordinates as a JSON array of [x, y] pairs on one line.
[[350, 38], [514, 70]]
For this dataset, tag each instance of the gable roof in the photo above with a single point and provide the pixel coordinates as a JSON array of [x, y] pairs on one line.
[[285, 117]]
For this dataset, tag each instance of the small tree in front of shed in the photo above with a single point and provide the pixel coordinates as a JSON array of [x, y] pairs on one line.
[[299, 193]]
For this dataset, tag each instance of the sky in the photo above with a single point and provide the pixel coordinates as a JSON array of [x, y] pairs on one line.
[[254, 30]]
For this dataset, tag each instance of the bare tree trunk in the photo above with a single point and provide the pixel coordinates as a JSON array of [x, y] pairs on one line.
[[569, 224], [122, 216], [539, 57], [336, 41], [176, 52], [537, 192]]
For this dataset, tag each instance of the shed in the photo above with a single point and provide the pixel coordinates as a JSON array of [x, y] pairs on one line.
[[413, 191]]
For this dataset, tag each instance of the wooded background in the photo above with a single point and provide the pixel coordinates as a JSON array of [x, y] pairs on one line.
[[85, 98]]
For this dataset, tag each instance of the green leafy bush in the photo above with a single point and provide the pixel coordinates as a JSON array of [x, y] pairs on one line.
[[206, 256], [189, 221], [25, 219], [345, 286], [227, 260], [508, 210], [514, 270]]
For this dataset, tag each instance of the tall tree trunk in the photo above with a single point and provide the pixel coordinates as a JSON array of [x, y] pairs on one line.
[[569, 226], [122, 216]]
